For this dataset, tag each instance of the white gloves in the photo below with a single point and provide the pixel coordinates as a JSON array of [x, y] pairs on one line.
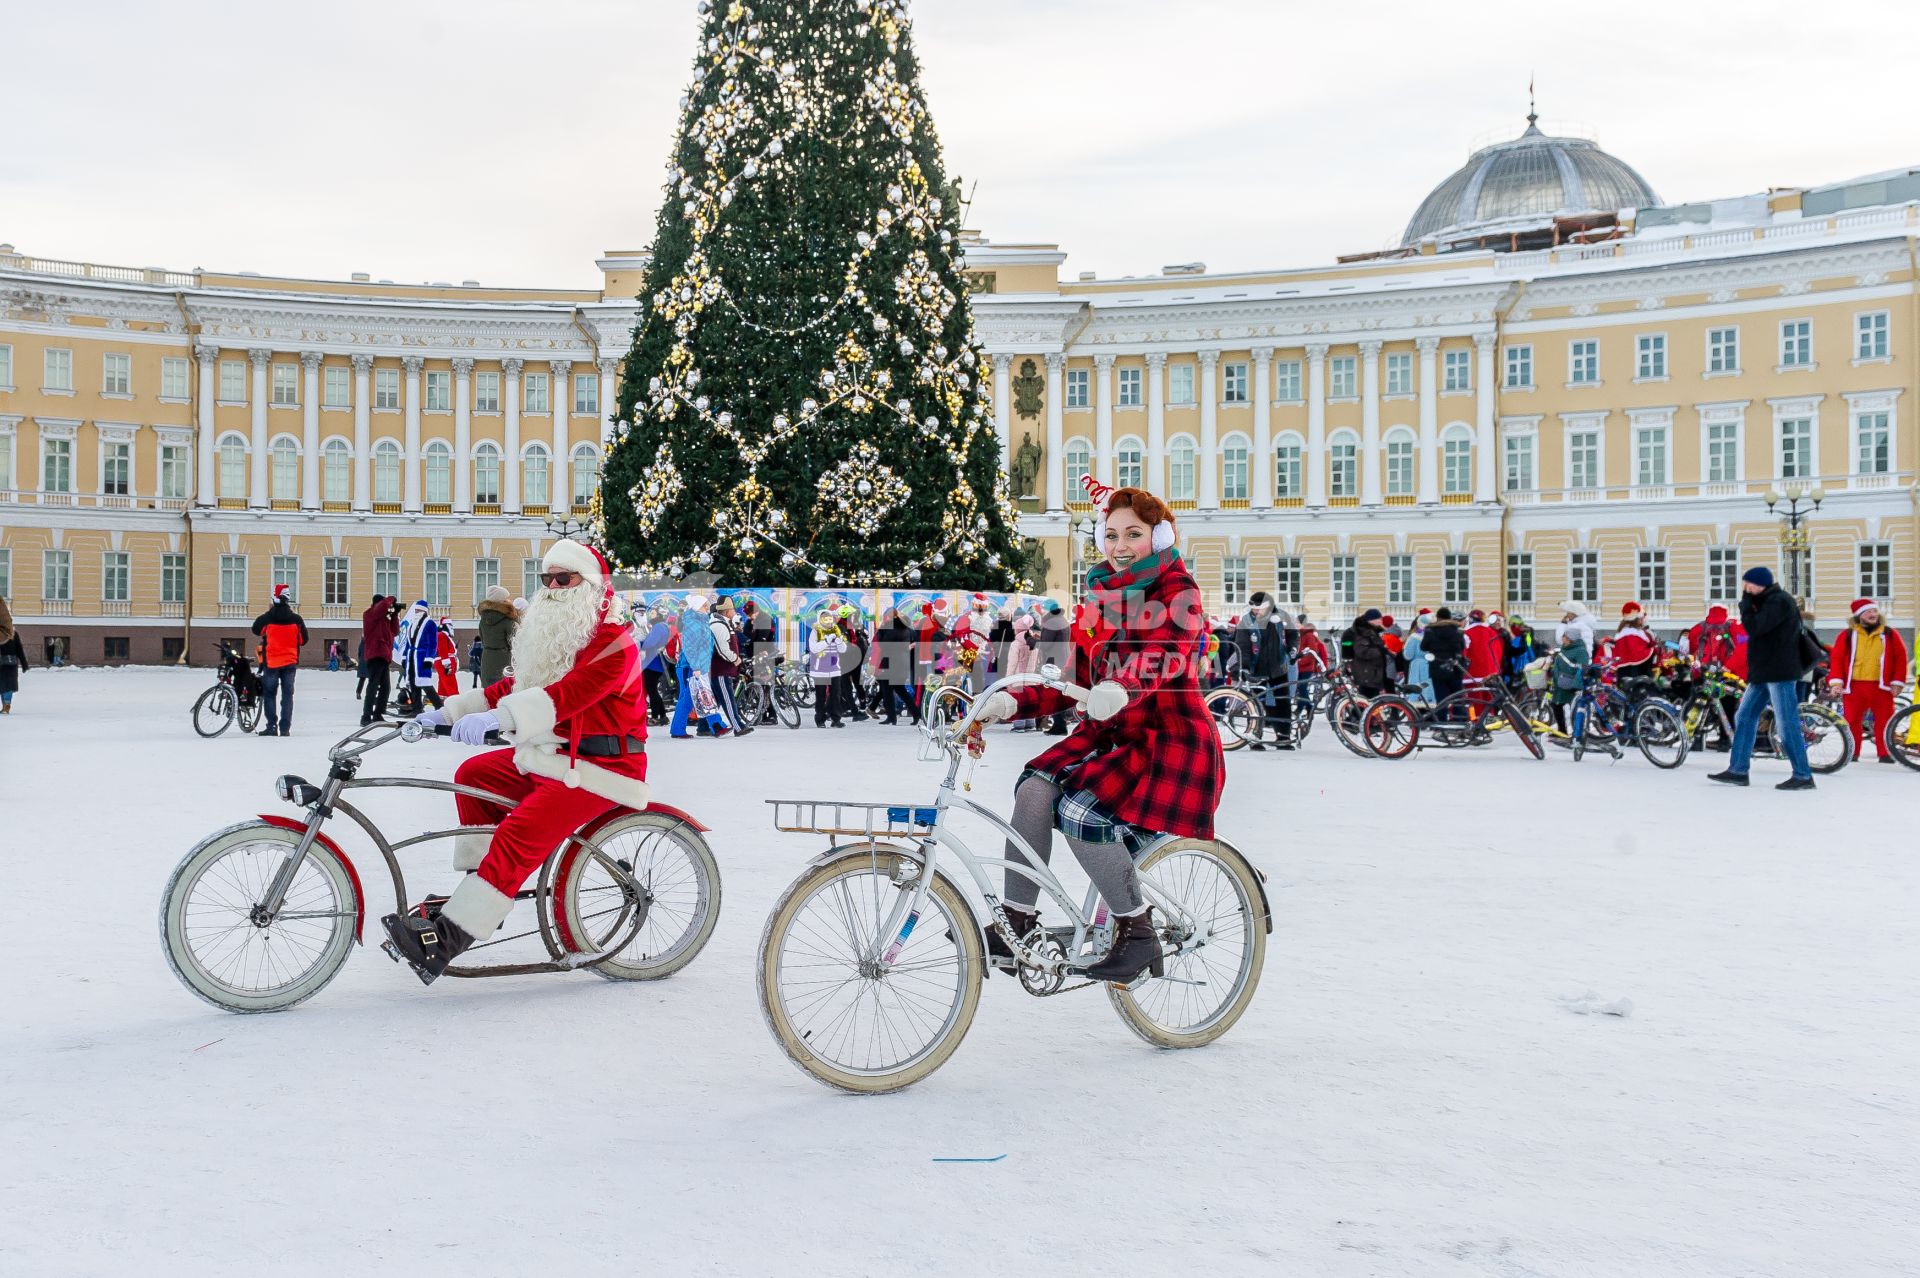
[[431, 719], [1105, 699], [998, 708], [473, 728]]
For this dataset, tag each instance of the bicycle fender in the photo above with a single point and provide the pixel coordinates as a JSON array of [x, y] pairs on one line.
[[1259, 878], [353, 875]]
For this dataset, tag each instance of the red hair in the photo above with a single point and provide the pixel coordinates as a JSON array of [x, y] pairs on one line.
[[1149, 509]]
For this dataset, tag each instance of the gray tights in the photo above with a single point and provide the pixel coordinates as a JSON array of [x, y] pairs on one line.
[[1109, 865]]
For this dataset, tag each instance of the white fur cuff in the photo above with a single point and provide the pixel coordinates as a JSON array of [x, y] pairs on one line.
[[470, 849], [466, 703], [527, 714], [477, 907]]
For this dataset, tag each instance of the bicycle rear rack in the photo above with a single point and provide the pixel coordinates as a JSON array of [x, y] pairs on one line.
[[862, 820]]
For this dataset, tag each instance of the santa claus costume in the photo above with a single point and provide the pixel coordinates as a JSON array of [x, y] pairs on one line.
[[574, 700], [1485, 647], [446, 663], [1634, 647], [1868, 666]]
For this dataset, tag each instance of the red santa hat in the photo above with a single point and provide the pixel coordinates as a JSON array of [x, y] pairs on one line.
[[1387, 620], [1476, 615], [1864, 605], [1164, 534], [939, 607], [576, 556], [980, 600], [282, 593], [1426, 612], [1631, 611]]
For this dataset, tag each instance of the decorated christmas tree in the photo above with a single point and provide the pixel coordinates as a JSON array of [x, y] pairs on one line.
[[804, 400]]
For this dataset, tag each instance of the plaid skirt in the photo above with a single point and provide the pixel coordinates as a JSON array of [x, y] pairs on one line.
[[1078, 815]]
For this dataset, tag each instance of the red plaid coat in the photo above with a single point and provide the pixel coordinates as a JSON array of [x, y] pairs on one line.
[[1157, 764]]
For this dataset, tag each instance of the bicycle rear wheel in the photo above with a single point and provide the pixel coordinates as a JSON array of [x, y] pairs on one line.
[[213, 712], [750, 699], [655, 935], [1392, 727], [1210, 983], [1346, 715], [1658, 732], [785, 707], [1829, 740], [1522, 725], [1901, 736], [246, 712], [1236, 715]]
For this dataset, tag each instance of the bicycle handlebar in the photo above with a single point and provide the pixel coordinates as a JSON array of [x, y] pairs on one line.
[[1042, 680]]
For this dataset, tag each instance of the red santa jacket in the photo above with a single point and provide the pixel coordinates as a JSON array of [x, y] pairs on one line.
[[1893, 658], [1485, 648], [1633, 651], [602, 695], [446, 666]]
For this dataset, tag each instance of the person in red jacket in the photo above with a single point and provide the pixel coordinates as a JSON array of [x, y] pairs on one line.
[[1633, 649], [1868, 667], [446, 661], [377, 626], [1485, 647], [1712, 640], [282, 634], [577, 708], [1312, 657]]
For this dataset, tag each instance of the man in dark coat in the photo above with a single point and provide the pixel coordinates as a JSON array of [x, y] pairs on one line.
[[1364, 649], [1777, 660], [893, 643], [497, 620], [1446, 647], [1265, 652], [376, 644]]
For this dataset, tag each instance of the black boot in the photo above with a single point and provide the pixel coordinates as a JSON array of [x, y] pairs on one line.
[[1135, 950], [1023, 922], [426, 941]]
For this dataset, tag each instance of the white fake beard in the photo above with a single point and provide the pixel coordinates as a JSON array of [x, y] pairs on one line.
[[557, 626]]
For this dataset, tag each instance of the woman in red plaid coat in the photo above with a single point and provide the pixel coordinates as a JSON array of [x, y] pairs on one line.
[[1147, 759]]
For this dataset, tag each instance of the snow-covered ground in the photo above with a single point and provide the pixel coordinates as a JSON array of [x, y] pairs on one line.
[[1409, 1094]]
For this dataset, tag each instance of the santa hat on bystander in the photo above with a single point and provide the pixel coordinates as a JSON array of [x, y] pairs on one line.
[[1861, 607], [283, 593], [980, 600], [1631, 611], [1475, 614]]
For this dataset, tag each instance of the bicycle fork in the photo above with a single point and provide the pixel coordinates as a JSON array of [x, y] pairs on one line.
[[276, 895]]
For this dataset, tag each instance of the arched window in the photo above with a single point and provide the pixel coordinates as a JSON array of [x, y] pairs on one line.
[[284, 454], [1233, 468], [1456, 461], [534, 475], [233, 466], [1343, 464], [336, 471], [1079, 461], [1400, 467], [1180, 468], [386, 472], [1129, 464], [439, 473], [586, 474], [486, 474], [1287, 477]]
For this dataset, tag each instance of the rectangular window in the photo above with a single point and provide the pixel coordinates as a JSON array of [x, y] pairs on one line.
[[6, 572], [6, 469], [1289, 582], [1519, 368], [116, 375], [1583, 576], [1723, 350], [233, 579], [1079, 380], [1343, 469], [386, 577], [1341, 377], [1130, 381], [1233, 580], [6, 367], [1651, 578], [439, 391], [1583, 365], [333, 581], [1400, 466], [1519, 464], [1400, 374], [286, 385], [58, 365], [1456, 577], [1459, 371], [1400, 580], [233, 381], [115, 648], [176, 466], [116, 468], [173, 378], [486, 392], [536, 392], [439, 589], [335, 388], [1583, 460], [529, 578], [1870, 335], [56, 575], [1650, 455], [116, 576], [1286, 381], [1287, 470], [1234, 472], [1796, 447], [386, 388], [1233, 383], [586, 394], [1456, 465], [1876, 570], [1650, 353], [486, 575], [56, 465], [1180, 384], [1723, 452], [1520, 579], [173, 578], [1129, 466], [1796, 343], [286, 572], [1873, 444], [1723, 573], [1343, 581]]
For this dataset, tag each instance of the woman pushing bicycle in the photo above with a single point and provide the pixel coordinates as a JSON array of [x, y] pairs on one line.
[[1147, 758]]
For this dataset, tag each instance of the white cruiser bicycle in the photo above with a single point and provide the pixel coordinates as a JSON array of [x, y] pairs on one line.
[[871, 962]]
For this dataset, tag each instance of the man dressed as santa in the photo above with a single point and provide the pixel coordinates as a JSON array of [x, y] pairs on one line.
[[574, 701]]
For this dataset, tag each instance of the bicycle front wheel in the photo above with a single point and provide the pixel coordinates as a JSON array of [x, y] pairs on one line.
[[246, 712], [213, 712], [1902, 736], [1216, 944], [750, 699], [1347, 716], [1658, 732], [648, 890], [1391, 727], [785, 707], [841, 1010], [1829, 741], [1236, 715]]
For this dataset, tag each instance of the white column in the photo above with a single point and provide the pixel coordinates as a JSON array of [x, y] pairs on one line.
[[1155, 476], [1315, 462], [1370, 423], [1003, 406], [1056, 432], [510, 464], [560, 479], [411, 500], [1261, 462], [1483, 446], [362, 432], [310, 431], [1429, 420], [257, 473], [1103, 418], [205, 492], [1208, 463], [608, 367], [462, 436]]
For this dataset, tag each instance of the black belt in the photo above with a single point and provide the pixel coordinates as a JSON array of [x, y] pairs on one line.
[[603, 746]]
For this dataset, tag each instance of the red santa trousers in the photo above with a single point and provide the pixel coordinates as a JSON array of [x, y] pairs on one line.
[[548, 811], [1864, 699]]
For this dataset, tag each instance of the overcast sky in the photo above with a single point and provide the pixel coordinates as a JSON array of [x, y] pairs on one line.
[[512, 142]]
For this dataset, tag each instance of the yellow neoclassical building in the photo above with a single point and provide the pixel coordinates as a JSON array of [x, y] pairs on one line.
[[1556, 386]]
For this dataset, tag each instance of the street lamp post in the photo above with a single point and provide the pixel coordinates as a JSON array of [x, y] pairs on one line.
[[564, 526], [1794, 541]]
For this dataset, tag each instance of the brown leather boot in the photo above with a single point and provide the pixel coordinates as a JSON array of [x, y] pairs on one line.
[[1023, 922], [1135, 950]]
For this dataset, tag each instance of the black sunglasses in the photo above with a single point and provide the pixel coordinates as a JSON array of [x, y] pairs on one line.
[[559, 579]]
